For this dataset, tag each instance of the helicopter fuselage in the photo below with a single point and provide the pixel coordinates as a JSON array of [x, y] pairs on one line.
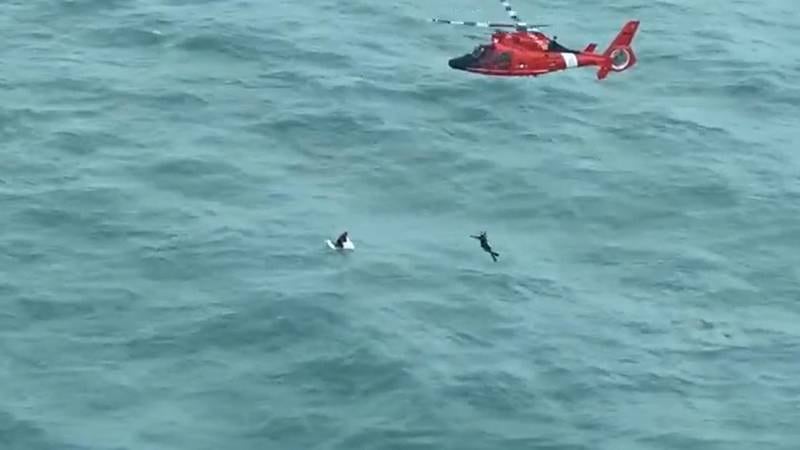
[[522, 53]]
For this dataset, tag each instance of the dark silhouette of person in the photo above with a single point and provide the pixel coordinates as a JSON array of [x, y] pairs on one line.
[[341, 240], [485, 245]]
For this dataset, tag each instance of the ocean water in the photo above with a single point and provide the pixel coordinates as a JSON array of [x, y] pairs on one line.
[[170, 171]]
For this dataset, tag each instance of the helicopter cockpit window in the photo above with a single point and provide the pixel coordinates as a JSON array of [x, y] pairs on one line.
[[479, 51]]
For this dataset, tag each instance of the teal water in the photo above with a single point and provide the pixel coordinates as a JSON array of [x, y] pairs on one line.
[[170, 170]]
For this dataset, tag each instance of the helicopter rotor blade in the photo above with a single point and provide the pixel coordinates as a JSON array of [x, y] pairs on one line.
[[510, 11], [475, 24], [535, 28], [520, 26]]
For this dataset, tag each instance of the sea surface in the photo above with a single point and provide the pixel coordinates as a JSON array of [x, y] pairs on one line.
[[170, 170]]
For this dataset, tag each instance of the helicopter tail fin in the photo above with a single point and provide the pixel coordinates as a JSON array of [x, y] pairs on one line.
[[590, 48], [619, 55]]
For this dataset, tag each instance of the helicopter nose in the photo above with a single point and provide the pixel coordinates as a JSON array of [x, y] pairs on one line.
[[455, 63], [461, 63]]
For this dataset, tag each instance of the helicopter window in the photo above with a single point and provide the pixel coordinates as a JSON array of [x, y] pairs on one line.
[[479, 51], [556, 47], [503, 60]]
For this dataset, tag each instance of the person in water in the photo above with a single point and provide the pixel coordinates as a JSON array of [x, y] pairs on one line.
[[341, 240], [485, 245]]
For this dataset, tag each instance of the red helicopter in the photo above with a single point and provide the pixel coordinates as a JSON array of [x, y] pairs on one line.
[[528, 52]]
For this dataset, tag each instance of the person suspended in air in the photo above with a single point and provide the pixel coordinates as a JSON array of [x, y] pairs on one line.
[[485, 245]]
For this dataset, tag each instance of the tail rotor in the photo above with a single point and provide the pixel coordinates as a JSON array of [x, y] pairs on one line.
[[619, 54]]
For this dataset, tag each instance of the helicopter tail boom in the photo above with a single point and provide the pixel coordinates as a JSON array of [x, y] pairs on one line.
[[619, 54]]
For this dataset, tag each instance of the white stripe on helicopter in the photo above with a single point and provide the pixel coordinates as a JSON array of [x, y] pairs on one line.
[[570, 60]]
